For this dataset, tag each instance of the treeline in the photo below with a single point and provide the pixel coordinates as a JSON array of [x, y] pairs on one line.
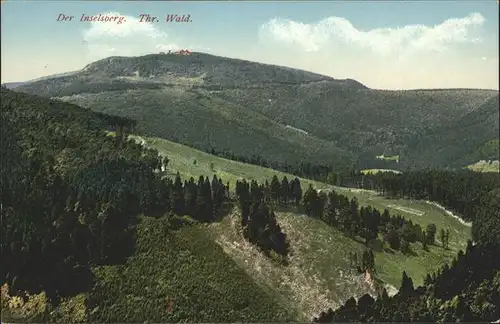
[[318, 172], [202, 200], [468, 290], [459, 191], [71, 195], [367, 222]]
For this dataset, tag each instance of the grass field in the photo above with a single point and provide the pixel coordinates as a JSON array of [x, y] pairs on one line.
[[388, 158], [374, 171], [319, 275], [485, 166]]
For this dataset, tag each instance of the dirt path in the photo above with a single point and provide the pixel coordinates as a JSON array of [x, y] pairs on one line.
[[463, 222]]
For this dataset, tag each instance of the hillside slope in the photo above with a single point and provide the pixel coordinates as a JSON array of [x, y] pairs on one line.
[[171, 279], [279, 113], [459, 140]]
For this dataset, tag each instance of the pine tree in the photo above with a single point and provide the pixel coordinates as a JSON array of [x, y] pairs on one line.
[[275, 188], [285, 191], [191, 194], [310, 201], [365, 261], [331, 210], [442, 236], [178, 199], [255, 192], [447, 237], [406, 285], [424, 245], [297, 192], [404, 246], [372, 260], [431, 233], [320, 205]]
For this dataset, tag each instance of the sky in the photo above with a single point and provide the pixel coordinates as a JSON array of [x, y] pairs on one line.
[[382, 44]]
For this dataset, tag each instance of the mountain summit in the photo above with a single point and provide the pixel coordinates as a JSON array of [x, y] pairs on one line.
[[209, 69]]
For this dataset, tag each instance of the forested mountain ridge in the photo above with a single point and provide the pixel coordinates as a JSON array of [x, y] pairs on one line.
[[282, 114]]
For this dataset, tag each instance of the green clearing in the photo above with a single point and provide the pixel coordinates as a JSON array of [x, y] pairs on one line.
[[374, 171], [388, 158], [485, 166], [390, 265]]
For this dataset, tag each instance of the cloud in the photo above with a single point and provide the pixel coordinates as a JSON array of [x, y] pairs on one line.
[[129, 27], [386, 41], [128, 38], [167, 47]]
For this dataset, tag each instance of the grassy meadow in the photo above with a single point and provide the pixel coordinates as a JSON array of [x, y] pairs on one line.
[[391, 265]]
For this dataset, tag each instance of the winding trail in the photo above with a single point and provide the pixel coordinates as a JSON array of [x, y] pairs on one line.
[[449, 213]]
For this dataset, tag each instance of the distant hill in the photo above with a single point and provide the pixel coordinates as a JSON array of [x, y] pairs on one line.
[[282, 114], [12, 85]]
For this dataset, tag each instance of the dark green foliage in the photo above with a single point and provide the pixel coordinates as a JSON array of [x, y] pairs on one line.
[[178, 203], [70, 193], [459, 191], [258, 219], [296, 191], [406, 288], [310, 201], [179, 276], [370, 222], [263, 230], [285, 191], [430, 233], [469, 291], [368, 261], [442, 236], [486, 227]]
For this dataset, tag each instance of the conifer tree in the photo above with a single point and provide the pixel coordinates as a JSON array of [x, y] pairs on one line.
[[310, 201], [285, 191], [406, 285], [442, 236], [178, 201], [297, 192], [275, 189]]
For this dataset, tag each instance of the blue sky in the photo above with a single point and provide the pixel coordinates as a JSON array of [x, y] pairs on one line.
[[386, 45]]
